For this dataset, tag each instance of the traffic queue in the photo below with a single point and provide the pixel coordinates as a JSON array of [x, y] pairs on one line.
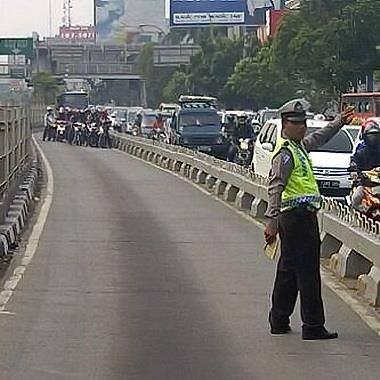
[[250, 138], [84, 127], [346, 168]]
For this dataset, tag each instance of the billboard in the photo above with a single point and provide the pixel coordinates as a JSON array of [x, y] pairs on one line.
[[115, 19], [187, 13], [109, 14]]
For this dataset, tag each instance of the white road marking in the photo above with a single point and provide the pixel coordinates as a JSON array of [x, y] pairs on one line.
[[32, 245], [328, 279]]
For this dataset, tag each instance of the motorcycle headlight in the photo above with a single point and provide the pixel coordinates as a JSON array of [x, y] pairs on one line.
[[244, 145]]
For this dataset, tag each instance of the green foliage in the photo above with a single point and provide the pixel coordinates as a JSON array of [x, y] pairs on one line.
[[155, 77], [212, 66], [329, 51], [319, 52], [177, 85], [257, 81], [45, 88]]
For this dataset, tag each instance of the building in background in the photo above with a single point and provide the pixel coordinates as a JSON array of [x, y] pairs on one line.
[[77, 33], [272, 22]]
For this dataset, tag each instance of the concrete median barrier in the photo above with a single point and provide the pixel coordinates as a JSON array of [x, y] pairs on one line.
[[350, 241]]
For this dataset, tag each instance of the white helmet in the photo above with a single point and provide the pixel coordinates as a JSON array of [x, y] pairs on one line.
[[320, 117], [49, 109]]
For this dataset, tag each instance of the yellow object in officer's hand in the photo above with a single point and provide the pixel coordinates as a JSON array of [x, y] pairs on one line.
[[271, 250]]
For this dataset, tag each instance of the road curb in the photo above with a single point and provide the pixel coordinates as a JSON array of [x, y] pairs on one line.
[[19, 211]]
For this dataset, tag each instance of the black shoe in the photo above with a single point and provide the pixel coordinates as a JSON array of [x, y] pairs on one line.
[[280, 330], [317, 333]]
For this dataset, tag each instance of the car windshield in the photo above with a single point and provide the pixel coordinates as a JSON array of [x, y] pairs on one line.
[[78, 101], [269, 115], [199, 119], [120, 114], [131, 117], [340, 143], [353, 131], [148, 120]]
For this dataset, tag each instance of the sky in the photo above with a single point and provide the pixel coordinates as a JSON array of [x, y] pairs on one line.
[[19, 18]]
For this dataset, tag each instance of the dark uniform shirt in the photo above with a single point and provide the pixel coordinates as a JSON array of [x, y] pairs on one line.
[[283, 165]]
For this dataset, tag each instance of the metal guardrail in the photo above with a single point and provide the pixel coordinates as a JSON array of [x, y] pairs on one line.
[[350, 240], [36, 115], [15, 135]]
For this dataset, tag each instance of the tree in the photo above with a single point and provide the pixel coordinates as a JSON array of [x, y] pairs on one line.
[[177, 85], [257, 82], [329, 52], [155, 77], [45, 88]]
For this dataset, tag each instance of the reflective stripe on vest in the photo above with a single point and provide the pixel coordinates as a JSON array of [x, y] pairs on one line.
[[302, 187]]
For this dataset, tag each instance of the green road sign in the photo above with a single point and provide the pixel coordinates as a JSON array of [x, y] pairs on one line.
[[16, 46]]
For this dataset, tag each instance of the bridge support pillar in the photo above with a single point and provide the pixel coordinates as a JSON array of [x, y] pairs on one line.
[[177, 166], [210, 182], [201, 177], [194, 173], [243, 200], [347, 263], [369, 286], [258, 208], [230, 193], [220, 187], [183, 169]]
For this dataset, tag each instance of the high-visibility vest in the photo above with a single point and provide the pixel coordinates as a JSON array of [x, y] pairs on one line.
[[302, 187]]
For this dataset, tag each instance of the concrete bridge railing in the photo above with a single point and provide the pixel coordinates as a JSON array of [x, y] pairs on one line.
[[350, 241]]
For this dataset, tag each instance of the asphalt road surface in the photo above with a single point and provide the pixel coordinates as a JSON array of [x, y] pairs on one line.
[[139, 275]]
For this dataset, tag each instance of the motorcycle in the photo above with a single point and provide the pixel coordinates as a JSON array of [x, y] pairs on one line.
[[366, 197], [61, 130], [93, 137], [244, 152], [78, 134], [159, 135]]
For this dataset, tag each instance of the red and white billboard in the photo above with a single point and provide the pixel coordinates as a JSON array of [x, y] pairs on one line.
[[77, 33]]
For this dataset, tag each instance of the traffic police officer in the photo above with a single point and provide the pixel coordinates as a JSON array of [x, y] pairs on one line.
[[294, 200]]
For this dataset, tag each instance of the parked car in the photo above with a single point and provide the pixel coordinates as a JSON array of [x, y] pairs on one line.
[[330, 161], [196, 125]]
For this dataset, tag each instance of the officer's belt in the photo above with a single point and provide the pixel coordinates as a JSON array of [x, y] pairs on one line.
[[311, 200]]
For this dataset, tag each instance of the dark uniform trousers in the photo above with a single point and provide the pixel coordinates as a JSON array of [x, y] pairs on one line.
[[298, 270]]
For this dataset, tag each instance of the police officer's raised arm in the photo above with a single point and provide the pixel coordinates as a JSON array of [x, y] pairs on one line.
[[322, 135]]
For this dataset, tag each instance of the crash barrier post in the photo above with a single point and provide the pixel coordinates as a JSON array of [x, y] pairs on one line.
[[350, 241]]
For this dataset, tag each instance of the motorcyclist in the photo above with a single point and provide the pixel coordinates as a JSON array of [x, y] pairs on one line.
[[49, 121], [158, 124], [93, 117], [138, 122], [366, 157], [62, 114], [229, 125], [243, 130]]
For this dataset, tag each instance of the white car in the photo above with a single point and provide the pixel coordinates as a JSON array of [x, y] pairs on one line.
[[330, 161]]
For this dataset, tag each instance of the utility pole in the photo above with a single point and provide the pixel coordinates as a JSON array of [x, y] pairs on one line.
[[49, 19], [67, 7]]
